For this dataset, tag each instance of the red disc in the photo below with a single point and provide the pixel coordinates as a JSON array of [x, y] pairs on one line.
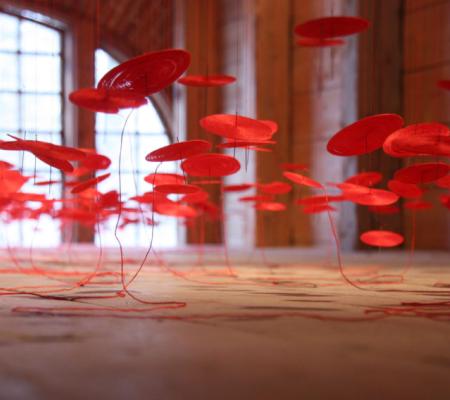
[[179, 151], [164, 179], [313, 200], [206, 80], [422, 173], [444, 84], [211, 164], [270, 206], [364, 136], [330, 27], [406, 190], [175, 210], [94, 161], [260, 197], [237, 188], [418, 205], [5, 165], [391, 209], [275, 187], [176, 188], [302, 180], [444, 182], [367, 196], [195, 198], [236, 127], [315, 42], [381, 238], [368, 179], [427, 139], [89, 183], [149, 73], [293, 167]]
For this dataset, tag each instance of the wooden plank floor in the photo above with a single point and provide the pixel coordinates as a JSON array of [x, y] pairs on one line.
[[288, 330]]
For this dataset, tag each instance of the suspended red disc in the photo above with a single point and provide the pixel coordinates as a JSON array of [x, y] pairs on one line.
[[444, 182], [46, 183], [406, 190], [175, 210], [94, 162], [109, 101], [318, 208], [176, 188], [62, 165], [330, 27], [391, 209], [368, 179], [149, 73], [5, 165], [270, 206], [381, 238], [237, 188], [164, 179], [206, 80], [260, 197], [212, 165], [302, 180], [444, 84], [422, 173], [179, 151], [365, 135], [427, 139], [236, 127], [313, 200], [315, 42], [445, 200], [367, 196], [194, 198], [89, 183], [275, 187], [418, 205]]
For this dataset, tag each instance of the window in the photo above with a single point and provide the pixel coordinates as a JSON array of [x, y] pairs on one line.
[[31, 93], [144, 132]]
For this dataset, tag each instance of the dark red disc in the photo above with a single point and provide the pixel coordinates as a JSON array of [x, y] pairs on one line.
[[422, 173], [293, 167], [406, 190], [275, 187], [270, 206], [444, 84], [179, 151], [302, 180], [149, 73], [176, 188], [330, 27], [89, 183], [236, 127], [367, 196], [418, 205], [206, 80], [211, 164], [164, 179], [381, 238], [364, 136], [368, 179], [315, 42], [237, 188], [427, 139], [391, 209]]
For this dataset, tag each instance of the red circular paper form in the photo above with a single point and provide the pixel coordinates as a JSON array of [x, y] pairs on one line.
[[211, 165], [422, 173], [179, 151], [206, 80], [330, 27], [382, 238]]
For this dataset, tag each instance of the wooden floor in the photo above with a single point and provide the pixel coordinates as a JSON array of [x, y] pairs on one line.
[[293, 329]]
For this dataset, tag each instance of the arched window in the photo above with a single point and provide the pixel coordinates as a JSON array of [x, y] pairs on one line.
[[144, 132], [31, 98]]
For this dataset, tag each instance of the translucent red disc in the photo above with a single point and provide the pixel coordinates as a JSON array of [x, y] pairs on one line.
[[382, 238], [179, 151], [211, 164], [260, 197], [315, 42], [302, 180], [364, 136], [365, 178], [94, 161], [237, 188], [236, 127], [194, 198], [176, 189], [270, 206], [164, 179], [427, 139], [406, 190], [418, 205], [422, 173], [444, 182], [367, 196], [149, 73], [175, 210], [275, 187], [330, 27], [89, 183], [206, 80]]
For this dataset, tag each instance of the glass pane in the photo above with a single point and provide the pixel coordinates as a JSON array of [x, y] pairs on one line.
[[38, 38], [148, 120], [40, 73], [8, 71], [41, 112], [9, 27], [9, 112]]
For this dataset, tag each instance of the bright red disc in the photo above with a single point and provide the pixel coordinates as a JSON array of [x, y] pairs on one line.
[[236, 127], [270, 206], [330, 27], [179, 151], [195, 198], [94, 161], [444, 182], [315, 42], [381, 238], [368, 179], [81, 187], [406, 190], [302, 180], [206, 80], [237, 188], [164, 179], [176, 189], [275, 187], [422, 173], [149, 73], [211, 164], [364, 136], [367, 196], [175, 210], [427, 139]]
